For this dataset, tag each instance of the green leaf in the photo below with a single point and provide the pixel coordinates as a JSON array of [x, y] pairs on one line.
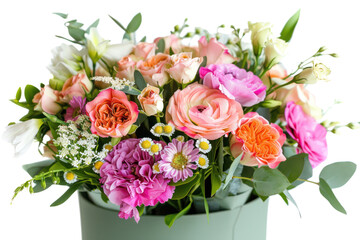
[[326, 191], [268, 181], [141, 209], [54, 118], [67, 194], [289, 151], [63, 15], [248, 172], [220, 156], [189, 179], [93, 25], [131, 90], [293, 166], [141, 118], [160, 46], [283, 196], [171, 218], [289, 27], [34, 168], [30, 92], [202, 186], [18, 94], [337, 174], [139, 80], [76, 33], [232, 169], [134, 23], [143, 39], [307, 172], [215, 181], [23, 104], [118, 23], [182, 190], [32, 114], [288, 195]]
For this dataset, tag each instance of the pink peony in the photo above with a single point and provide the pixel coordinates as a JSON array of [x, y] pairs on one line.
[[77, 108], [310, 135], [235, 83], [259, 141], [215, 51], [77, 85], [129, 181], [153, 69], [200, 111], [111, 113]]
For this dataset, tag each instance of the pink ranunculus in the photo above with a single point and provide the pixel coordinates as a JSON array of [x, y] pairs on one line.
[[259, 141], [144, 50], [234, 82], [150, 100], [77, 85], [126, 68], [310, 135], [48, 100], [111, 113], [215, 51], [200, 111], [129, 180], [153, 69], [172, 42], [183, 67]]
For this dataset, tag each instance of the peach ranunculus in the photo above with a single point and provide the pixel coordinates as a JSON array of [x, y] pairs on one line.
[[75, 86], [144, 50], [153, 69], [202, 112], [259, 141], [111, 113], [184, 67], [215, 51], [171, 41], [150, 100], [126, 68], [47, 100]]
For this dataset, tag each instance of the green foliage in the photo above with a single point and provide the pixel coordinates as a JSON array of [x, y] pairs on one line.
[[232, 169], [182, 191], [118, 23], [289, 27], [337, 174], [131, 90], [306, 173], [326, 191], [34, 168], [18, 94], [63, 15], [30, 92], [134, 23], [171, 218], [202, 186], [269, 181], [293, 166], [215, 180], [160, 46], [139, 80], [67, 194]]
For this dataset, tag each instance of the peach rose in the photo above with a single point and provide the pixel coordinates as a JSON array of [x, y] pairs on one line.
[[184, 68], [153, 69], [215, 51], [47, 100], [170, 41], [260, 142], [150, 100], [111, 113], [77, 85], [200, 112], [126, 68], [144, 50]]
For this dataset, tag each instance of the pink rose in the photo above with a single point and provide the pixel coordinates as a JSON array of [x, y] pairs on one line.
[[259, 141], [153, 69], [126, 68], [184, 68], [235, 83], [200, 112], [77, 85], [215, 51], [144, 50], [48, 100], [310, 135], [111, 114], [150, 100], [171, 41]]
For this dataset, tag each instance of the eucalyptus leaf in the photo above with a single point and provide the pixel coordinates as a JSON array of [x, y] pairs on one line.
[[171, 218], [76, 33], [118, 23], [307, 173], [268, 181], [93, 25], [160, 46], [131, 90], [134, 23], [283, 196], [63, 15], [289, 197], [293, 166], [30, 92], [326, 191], [337, 174], [139, 80], [289, 27], [143, 39], [232, 169], [67, 194]]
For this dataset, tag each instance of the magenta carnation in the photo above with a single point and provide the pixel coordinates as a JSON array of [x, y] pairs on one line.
[[77, 108], [310, 135], [236, 83], [129, 181]]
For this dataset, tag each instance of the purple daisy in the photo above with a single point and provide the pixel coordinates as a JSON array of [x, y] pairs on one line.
[[77, 107], [178, 160]]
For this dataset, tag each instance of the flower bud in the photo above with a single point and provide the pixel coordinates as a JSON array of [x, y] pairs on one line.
[[312, 74], [260, 34], [275, 51], [150, 100]]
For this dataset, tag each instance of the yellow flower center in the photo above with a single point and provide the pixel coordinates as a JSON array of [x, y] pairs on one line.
[[98, 165], [70, 176], [154, 148], [180, 138], [158, 129], [168, 129], [146, 144], [202, 161], [156, 167], [108, 147], [204, 145], [179, 161]]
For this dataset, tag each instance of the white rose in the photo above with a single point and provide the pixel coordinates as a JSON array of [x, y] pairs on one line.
[[260, 34], [312, 74], [274, 51]]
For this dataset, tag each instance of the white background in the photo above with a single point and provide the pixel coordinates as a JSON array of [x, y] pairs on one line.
[[27, 37]]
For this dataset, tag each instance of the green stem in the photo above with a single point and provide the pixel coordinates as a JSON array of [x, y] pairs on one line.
[[179, 205], [304, 180], [243, 178]]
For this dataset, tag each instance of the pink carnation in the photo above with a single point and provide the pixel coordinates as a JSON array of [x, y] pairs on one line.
[[310, 135], [129, 181]]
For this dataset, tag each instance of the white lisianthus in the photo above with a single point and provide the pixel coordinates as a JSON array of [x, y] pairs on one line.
[[312, 74], [274, 51], [96, 45], [260, 34], [22, 134], [115, 52]]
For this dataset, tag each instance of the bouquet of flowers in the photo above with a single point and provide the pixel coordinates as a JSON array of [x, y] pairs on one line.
[[153, 125]]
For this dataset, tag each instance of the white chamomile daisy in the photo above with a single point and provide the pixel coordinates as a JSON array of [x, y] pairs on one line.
[[70, 177], [203, 144], [158, 129], [180, 138], [155, 149], [156, 168], [145, 144], [108, 147], [169, 130], [202, 162], [97, 166]]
